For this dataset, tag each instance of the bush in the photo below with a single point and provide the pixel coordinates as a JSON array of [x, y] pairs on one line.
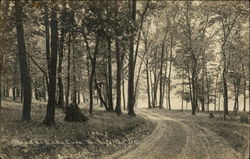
[[211, 115], [244, 119], [74, 114]]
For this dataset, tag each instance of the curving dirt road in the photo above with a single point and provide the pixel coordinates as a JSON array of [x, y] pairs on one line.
[[173, 139]]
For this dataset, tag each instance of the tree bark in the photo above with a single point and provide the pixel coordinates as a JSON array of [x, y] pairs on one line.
[[225, 92], [244, 89], [24, 69], [92, 73], [161, 77], [74, 80], [50, 113], [110, 84], [47, 38], [203, 93], [148, 86], [123, 93], [169, 73], [60, 102], [131, 66], [215, 92], [68, 71], [118, 78], [99, 91]]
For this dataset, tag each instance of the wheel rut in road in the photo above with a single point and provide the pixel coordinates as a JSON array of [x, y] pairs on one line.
[[173, 139]]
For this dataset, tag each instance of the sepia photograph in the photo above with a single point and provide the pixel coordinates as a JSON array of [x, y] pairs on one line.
[[124, 79]]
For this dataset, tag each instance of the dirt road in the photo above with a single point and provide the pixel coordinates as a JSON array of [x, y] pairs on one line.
[[173, 139]]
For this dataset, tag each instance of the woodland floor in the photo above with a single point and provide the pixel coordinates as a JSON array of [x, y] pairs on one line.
[[103, 134], [153, 134]]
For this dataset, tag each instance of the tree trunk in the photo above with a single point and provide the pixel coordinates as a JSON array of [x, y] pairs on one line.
[[106, 84], [123, 93], [60, 102], [148, 86], [161, 77], [131, 66], [46, 22], [92, 73], [182, 100], [225, 92], [99, 91], [155, 79], [78, 97], [24, 69], [193, 93], [219, 102], [15, 81], [244, 92], [1, 91], [208, 92], [50, 114], [110, 84], [44, 88], [249, 82], [119, 78], [215, 92], [169, 73], [203, 94], [68, 71], [74, 93], [152, 87]]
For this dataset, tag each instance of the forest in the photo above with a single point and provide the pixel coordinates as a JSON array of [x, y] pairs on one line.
[[121, 73]]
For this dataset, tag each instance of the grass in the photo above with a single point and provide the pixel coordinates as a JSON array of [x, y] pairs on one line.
[[104, 133]]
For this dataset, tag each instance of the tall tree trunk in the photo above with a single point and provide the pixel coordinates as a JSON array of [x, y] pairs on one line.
[[14, 89], [44, 88], [169, 73], [110, 94], [79, 97], [155, 79], [24, 69], [138, 79], [215, 92], [235, 97], [99, 91], [131, 66], [193, 93], [249, 81], [203, 93], [106, 84], [68, 71], [152, 87], [92, 73], [219, 102], [244, 90], [123, 93], [224, 78], [119, 78], [208, 92], [161, 77], [190, 89], [1, 91], [148, 86], [50, 114], [182, 97], [47, 38], [225, 92], [74, 91], [60, 102]]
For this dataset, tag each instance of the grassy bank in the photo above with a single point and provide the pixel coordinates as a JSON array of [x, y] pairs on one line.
[[104, 133]]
